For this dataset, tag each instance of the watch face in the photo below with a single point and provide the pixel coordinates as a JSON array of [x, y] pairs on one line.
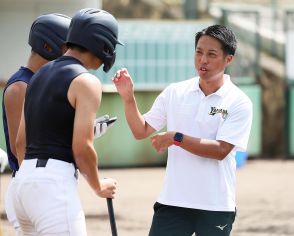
[[178, 137]]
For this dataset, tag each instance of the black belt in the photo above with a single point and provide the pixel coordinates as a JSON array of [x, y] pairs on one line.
[[13, 173], [43, 163]]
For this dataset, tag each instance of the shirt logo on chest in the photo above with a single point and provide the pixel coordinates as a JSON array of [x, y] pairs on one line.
[[221, 111]]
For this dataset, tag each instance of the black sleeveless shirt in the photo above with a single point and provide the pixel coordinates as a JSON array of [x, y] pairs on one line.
[[49, 117]]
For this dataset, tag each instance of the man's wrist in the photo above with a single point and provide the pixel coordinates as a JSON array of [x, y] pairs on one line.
[[97, 189], [130, 100], [178, 138]]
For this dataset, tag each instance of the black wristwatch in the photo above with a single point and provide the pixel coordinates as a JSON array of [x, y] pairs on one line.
[[178, 138]]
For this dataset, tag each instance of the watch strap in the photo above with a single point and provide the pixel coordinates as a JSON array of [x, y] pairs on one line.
[[177, 143], [178, 138]]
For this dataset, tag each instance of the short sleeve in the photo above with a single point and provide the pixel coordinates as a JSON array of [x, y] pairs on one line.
[[156, 117], [236, 128]]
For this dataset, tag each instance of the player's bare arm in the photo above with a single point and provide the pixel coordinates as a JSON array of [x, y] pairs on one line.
[[13, 100], [21, 139], [214, 149], [125, 87], [85, 96]]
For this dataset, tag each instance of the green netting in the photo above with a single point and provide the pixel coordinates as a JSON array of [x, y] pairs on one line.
[[155, 52]]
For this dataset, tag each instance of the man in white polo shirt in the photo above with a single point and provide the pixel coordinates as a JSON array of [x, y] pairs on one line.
[[208, 119]]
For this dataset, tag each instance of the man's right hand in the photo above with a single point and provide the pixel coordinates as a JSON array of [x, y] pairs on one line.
[[107, 188], [124, 84]]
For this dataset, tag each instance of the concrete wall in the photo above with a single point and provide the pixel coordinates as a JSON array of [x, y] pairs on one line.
[[16, 17]]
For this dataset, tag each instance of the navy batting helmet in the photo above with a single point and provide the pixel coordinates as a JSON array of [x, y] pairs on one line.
[[50, 30], [97, 31]]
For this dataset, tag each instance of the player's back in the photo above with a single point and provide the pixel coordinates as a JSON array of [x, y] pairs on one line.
[[49, 117]]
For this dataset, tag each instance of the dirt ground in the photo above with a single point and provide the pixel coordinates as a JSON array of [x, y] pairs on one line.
[[265, 200]]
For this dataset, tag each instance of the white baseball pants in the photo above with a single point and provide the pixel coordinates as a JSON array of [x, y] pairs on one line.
[[9, 208], [46, 200]]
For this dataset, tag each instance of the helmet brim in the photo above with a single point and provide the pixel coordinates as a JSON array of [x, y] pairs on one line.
[[120, 42]]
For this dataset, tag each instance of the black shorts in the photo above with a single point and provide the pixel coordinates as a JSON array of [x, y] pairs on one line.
[[179, 221]]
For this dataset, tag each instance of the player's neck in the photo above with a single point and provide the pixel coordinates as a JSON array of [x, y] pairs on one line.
[[89, 60], [35, 62]]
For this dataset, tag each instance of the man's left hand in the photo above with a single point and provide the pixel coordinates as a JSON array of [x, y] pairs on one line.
[[162, 141]]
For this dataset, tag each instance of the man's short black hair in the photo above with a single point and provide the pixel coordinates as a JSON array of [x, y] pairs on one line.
[[224, 35]]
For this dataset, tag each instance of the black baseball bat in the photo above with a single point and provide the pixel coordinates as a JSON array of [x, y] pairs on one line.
[[111, 217]]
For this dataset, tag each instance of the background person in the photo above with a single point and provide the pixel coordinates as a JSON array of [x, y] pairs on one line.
[[47, 40], [208, 119], [56, 131]]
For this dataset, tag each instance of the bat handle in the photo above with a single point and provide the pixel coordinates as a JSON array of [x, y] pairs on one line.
[[111, 217]]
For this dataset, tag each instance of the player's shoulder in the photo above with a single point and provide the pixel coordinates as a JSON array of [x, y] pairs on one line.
[[23, 75], [86, 81], [14, 94], [16, 88], [88, 78]]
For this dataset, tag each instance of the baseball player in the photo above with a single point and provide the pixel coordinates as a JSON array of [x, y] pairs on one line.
[[56, 135], [208, 119], [47, 40]]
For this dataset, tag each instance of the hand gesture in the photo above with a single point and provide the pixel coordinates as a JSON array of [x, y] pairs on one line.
[[124, 84], [162, 141]]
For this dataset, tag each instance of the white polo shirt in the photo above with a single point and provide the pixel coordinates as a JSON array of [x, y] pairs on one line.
[[193, 181]]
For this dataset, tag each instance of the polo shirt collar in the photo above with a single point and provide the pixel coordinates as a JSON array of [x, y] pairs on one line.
[[222, 91], [195, 86]]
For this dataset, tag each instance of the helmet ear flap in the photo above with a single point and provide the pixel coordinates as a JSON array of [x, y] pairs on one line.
[[108, 48], [106, 52], [109, 63]]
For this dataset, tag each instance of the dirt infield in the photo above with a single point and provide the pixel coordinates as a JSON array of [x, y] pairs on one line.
[[265, 201]]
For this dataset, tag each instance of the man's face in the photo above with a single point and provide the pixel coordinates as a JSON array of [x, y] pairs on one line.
[[209, 59]]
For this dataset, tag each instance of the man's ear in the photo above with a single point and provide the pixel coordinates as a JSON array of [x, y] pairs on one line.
[[47, 47], [229, 59]]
